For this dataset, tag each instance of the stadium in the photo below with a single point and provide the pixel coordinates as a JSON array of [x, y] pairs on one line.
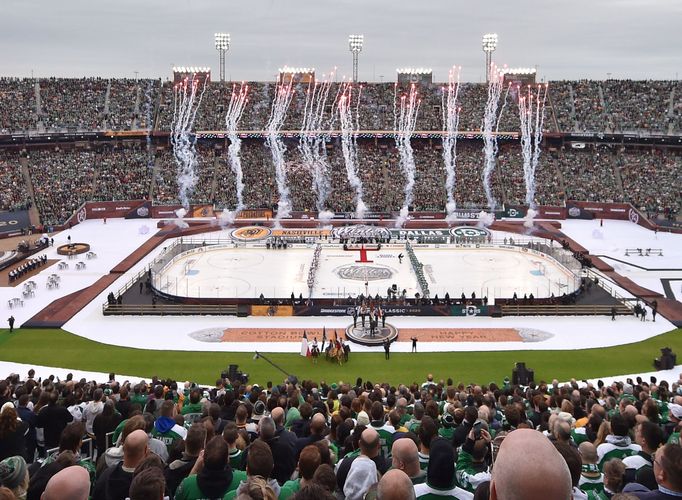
[[423, 253]]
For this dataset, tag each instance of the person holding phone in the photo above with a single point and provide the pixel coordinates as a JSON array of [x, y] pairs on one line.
[[472, 468]]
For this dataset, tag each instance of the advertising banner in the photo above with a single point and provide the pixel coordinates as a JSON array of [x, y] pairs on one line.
[[11, 222]]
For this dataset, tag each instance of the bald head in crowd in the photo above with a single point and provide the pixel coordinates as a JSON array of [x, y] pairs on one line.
[[528, 467], [395, 485], [369, 442], [277, 415], [405, 456], [72, 483], [135, 448]]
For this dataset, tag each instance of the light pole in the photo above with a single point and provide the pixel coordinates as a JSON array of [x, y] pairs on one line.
[[489, 46], [222, 45], [355, 45]]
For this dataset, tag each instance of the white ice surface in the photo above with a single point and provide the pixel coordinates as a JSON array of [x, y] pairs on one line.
[[247, 272]]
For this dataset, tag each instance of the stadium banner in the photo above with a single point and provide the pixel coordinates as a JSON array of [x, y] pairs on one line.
[[142, 211], [416, 233], [301, 233], [14, 221], [576, 212], [274, 310], [469, 310], [389, 310], [164, 211], [111, 209], [202, 211], [546, 212], [255, 214], [516, 212]]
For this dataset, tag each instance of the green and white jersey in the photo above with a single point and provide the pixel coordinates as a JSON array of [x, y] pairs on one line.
[[591, 479], [425, 492], [579, 435], [385, 432], [638, 461], [423, 460], [236, 459], [616, 447], [466, 474]]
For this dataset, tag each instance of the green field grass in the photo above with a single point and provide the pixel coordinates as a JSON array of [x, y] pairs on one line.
[[53, 347]]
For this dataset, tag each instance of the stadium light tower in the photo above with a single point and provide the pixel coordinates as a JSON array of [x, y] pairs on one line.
[[489, 46], [222, 45], [355, 44]]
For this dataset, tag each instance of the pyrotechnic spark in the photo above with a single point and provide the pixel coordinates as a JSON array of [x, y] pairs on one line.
[[349, 128], [491, 122], [405, 120], [278, 113], [235, 109], [312, 140], [451, 111], [185, 109]]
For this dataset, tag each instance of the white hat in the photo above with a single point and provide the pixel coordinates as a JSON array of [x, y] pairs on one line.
[[675, 410], [361, 476]]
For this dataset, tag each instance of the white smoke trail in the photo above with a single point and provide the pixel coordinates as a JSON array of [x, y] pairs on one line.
[[532, 118], [148, 91], [185, 110], [404, 122], [491, 122], [349, 146], [451, 111], [278, 113], [312, 140], [235, 109]]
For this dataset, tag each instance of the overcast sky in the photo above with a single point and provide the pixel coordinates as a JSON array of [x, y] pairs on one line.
[[574, 39]]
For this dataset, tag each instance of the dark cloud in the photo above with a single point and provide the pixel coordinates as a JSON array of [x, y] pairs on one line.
[[577, 39]]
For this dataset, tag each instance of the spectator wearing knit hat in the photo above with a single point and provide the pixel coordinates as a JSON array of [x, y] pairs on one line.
[[14, 475], [440, 476]]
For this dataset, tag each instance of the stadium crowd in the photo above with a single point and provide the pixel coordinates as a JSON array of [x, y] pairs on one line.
[[62, 179], [125, 104], [312, 440]]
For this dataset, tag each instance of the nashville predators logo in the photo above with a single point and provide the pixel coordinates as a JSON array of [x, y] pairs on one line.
[[250, 233]]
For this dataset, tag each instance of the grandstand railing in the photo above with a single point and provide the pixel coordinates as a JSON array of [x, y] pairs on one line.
[[562, 310], [88, 444], [169, 309], [603, 282]]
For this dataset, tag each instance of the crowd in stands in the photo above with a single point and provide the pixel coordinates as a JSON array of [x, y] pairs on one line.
[[313, 440], [125, 104], [72, 103], [62, 179], [13, 192], [122, 173], [17, 104]]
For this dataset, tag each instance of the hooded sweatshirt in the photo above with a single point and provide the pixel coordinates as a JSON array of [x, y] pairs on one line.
[[209, 484]]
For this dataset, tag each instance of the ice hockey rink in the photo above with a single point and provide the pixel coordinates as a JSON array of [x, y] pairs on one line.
[[225, 271]]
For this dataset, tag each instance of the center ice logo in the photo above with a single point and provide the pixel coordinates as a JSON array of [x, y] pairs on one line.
[[364, 273]]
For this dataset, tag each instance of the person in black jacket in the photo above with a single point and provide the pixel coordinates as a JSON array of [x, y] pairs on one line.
[[12, 433], [179, 469], [282, 444], [52, 419], [461, 433], [114, 483]]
